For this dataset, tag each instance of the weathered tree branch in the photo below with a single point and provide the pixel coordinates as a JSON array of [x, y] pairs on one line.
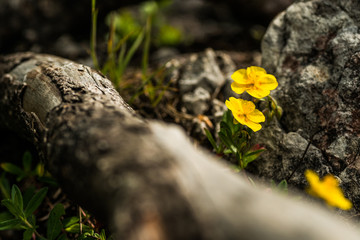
[[143, 178]]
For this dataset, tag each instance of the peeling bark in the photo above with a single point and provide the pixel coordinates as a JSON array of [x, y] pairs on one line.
[[143, 178]]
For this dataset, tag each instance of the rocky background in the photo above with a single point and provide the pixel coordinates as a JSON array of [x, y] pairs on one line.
[[313, 49]]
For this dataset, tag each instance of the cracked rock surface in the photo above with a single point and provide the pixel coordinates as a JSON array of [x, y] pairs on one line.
[[313, 48]]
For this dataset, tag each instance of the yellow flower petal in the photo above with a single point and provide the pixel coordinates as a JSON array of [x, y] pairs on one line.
[[240, 76], [267, 82], [252, 125], [258, 92], [246, 107], [255, 72], [238, 88], [245, 113], [256, 116], [240, 118], [311, 177], [254, 80], [340, 202], [330, 181], [229, 103], [327, 189]]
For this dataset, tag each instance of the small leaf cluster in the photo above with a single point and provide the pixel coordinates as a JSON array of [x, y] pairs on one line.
[[235, 141], [271, 108], [22, 212], [282, 186], [22, 207]]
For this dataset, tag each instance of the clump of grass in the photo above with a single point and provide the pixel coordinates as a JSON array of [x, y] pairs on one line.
[[130, 36]]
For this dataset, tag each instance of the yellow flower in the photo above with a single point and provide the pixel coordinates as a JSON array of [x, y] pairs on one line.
[[327, 189], [254, 80], [245, 113]]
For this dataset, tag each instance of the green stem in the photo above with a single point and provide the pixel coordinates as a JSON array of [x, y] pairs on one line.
[[94, 13], [145, 59], [26, 222]]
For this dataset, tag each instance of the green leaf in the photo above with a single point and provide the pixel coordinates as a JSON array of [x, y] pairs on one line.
[[27, 195], [39, 170], [131, 51], [16, 197], [13, 209], [103, 235], [279, 112], [251, 156], [49, 181], [211, 139], [35, 201], [283, 186], [62, 237], [227, 117], [54, 224], [32, 220], [13, 169], [228, 142], [6, 215], [224, 128], [9, 224], [242, 144], [237, 127], [256, 152], [75, 228], [28, 234], [227, 151], [4, 186], [67, 222], [27, 159]]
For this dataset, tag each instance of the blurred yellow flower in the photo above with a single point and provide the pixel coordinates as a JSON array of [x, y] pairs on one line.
[[327, 189], [245, 113], [254, 80]]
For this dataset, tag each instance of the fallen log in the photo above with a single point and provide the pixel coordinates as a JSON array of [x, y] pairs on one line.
[[143, 178]]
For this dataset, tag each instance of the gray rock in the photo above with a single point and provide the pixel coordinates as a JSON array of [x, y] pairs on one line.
[[200, 77], [313, 48], [197, 101]]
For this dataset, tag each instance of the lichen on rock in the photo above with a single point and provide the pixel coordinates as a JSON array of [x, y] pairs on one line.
[[313, 48]]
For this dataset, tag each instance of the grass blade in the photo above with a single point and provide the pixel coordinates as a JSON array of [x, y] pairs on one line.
[[211, 139], [132, 50]]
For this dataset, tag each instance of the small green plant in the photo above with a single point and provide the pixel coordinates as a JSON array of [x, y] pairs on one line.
[[153, 87], [25, 172], [242, 118], [23, 213], [24, 218], [93, 235], [235, 141], [22, 207], [282, 186]]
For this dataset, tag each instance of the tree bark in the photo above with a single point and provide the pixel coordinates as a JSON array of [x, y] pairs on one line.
[[143, 178]]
